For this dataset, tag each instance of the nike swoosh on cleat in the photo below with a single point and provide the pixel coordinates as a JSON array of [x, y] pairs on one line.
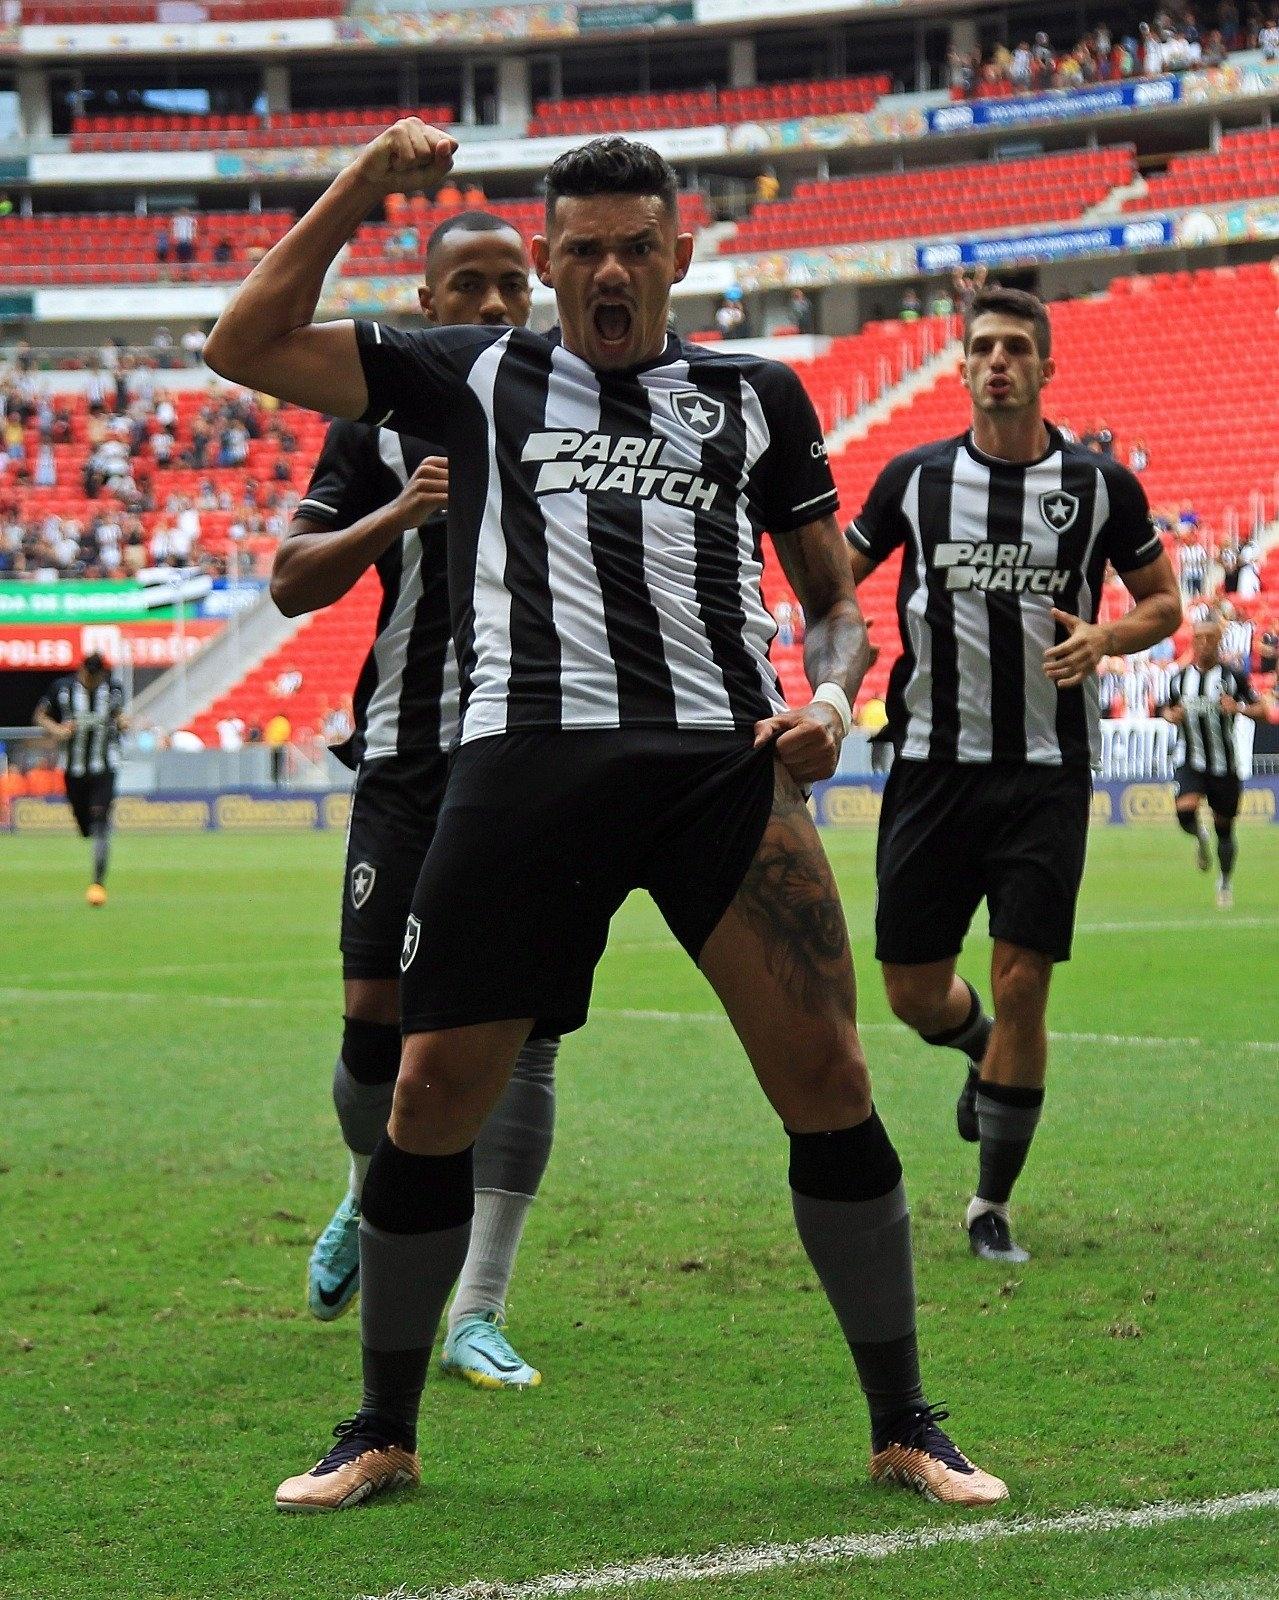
[[330, 1297]]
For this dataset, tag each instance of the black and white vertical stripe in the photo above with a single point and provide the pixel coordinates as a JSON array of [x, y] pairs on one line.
[[94, 746], [1207, 730]]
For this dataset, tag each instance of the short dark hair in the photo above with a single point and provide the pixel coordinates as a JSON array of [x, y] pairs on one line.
[[611, 166], [466, 222], [1012, 303]]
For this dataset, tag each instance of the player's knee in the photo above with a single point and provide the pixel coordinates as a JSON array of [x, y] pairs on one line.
[[827, 1087], [916, 1001], [1020, 983], [436, 1094]]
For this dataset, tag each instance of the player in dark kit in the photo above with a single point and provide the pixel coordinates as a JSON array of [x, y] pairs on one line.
[[622, 728], [1005, 532], [379, 498], [84, 713], [1204, 699]]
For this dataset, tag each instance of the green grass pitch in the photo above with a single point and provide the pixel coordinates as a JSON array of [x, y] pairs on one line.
[[168, 1152]]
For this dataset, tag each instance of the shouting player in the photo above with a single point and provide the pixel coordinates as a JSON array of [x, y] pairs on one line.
[[378, 498], [84, 714], [1204, 699], [1006, 532], [621, 727]]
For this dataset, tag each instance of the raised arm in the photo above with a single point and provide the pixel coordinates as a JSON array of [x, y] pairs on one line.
[[266, 338], [837, 650]]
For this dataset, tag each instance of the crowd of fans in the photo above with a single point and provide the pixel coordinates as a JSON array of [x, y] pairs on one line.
[[1176, 39], [129, 439]]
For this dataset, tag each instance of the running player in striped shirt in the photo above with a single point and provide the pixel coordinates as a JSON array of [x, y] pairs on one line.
[[84, 713], [1005, 532], [378, 498], [1204, 699], [621, 727]]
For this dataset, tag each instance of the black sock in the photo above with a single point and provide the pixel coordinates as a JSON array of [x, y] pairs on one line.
[[393, 1384], [1006, 1121], [1188, 822], [853, 1221], [1226, 849], [971, 1036]]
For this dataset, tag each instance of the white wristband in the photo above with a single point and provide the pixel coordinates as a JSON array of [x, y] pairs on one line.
[[831, 694]]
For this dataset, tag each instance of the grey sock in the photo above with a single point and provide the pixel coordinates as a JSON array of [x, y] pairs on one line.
[[511, 1154], [1006, 1123], [861, 1251], [101, 850], [362, 1108]]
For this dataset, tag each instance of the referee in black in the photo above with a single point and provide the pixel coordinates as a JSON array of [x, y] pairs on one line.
[[1204, 699], [84, 714], [1006, 532]]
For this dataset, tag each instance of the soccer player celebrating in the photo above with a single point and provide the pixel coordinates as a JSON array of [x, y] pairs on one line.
[[993, 705], [378, 498], [1204, 699], [621, 727], [84, 714]]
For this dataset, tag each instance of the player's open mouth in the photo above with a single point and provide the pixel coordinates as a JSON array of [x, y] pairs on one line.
[[612, 324]]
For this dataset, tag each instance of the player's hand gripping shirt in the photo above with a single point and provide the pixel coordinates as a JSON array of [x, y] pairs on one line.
[[604, 528], [1207, 728], [989, 548], [94, 747], [406, 696]]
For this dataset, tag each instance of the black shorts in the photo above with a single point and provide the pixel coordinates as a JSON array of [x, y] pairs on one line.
[[541, 837], [394, 808], [90, 796], [1222, 794], [954, 833]]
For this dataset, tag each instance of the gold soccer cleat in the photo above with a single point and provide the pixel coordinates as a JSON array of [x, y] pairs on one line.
[[362, 1463], [921, 1457]]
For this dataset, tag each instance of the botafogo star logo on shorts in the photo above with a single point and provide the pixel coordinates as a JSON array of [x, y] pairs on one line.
[[412, 934], [363, 877], [1058, 509], [702, 414]]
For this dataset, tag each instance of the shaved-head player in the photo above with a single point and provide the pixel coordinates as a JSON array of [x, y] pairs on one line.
[[378, 498]]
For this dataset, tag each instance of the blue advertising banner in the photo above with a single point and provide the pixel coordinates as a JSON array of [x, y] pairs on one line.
[[1151, 233], [854, 802], [1137, 94]]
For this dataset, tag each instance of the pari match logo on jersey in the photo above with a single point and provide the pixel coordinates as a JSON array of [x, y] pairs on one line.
[[1008, 566], [653, 466]]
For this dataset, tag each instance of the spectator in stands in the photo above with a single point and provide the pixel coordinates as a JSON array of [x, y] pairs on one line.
[[967, 285], [1268, 40], [942, 304], [193, 344], [223, 252], [767, 186], [230, 733], [163, 245], [276, 735], [448, 197], [801, 311], [1138, 457], [46, 469], [473, 196], [1192, 562], [184, 232], [1268, 650], [1248, 584], [910, 307], [730, 314]]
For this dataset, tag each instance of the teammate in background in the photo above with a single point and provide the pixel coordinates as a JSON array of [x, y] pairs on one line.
[[622, 728], [1204, 699], [993, 705], [84, 713], [379, 498]]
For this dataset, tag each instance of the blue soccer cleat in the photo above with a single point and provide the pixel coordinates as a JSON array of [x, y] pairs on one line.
[[478, 1351], [333, 1272]]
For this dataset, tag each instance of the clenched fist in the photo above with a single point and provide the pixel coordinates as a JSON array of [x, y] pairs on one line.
[[409, 155], [426, 492]]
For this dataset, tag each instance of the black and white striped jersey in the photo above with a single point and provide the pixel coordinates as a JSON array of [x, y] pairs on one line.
[[94, 747], [990, 548], [605, 527], [1207, 730], [406, 696]]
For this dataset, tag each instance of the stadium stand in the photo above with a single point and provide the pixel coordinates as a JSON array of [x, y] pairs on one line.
[[101, 247], [936, 201], [121, 13], [1246, 164], [765, 102], [245, 131]]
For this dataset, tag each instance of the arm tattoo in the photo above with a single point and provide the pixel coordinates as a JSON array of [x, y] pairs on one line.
[[790, 901], [837, 648]]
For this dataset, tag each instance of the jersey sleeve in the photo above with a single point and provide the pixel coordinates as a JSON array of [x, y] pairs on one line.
[[414, 387], [880, 526], [344, 485], [792, 482], [51, 703], [116, 704], [1244, 693], [1173, 697], [1132, 541]]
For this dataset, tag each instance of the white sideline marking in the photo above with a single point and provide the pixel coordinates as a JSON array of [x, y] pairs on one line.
[[1187, 1041], [749, 1560], [133, 997]]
